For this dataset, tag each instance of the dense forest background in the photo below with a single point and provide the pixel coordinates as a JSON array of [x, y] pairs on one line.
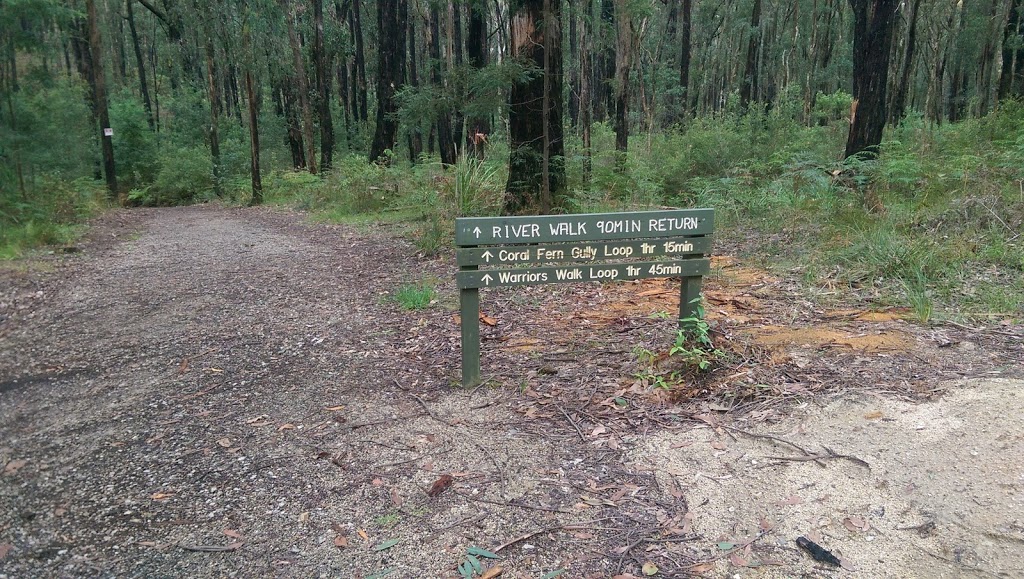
[[891, 119]]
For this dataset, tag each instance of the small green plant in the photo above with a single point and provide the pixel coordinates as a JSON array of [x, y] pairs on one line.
[[415, 296], [471, 566], [693, 341], [388, 520]]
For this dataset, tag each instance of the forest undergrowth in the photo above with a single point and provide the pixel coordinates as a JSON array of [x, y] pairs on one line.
[[947, 240]]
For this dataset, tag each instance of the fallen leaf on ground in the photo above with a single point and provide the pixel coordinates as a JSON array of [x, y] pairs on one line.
[[703, 567], [440, 485], [183, 366], [377, 482], [488, 319], [386, 544], [341, 542], [13, 466], [737, 560], [599, 429], [718, 445], [161, 496], [5, 548], [649, 569], [856, 523], [363, 534], [225, 442], [232, 533], [873, 415], [726, 545], [492, 573], [334, 408], [396, 498]]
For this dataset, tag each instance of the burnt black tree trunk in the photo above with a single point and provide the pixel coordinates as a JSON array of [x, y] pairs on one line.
[[415, 136], [360, 60], [685, 56], [476, 53], [1013, 55], [303, 85], [748, 88], [527, 106], [140, 64], [899, 101], [445, 140], [872, 44], [322, 64], [99, 91], [391, 24]]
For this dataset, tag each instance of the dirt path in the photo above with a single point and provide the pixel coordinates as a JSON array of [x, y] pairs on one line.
[[211, 392]]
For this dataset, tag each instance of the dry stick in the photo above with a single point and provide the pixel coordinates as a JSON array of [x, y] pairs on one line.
[[817, 457], [514, 505], [989, 330], [769, 437], [530, 535], [573, 423]]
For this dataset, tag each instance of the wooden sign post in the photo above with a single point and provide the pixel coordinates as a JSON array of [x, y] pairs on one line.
[[536, 250]]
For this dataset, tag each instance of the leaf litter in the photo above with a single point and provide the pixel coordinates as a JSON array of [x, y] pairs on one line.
[[525, 462]]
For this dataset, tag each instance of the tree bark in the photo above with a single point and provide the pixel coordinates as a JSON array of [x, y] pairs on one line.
[[685, 56], [214, 132], [322, 64], [445, 139], [458, 120], [872, 44], [586, 101], [99, 90], [360, 60], [254, 140], [623, 65], [477, 55], [899, 101], [526, 108], [749, 86], [415, 136], [391, 24], [140, 64], [303, 87], [1009, 71]]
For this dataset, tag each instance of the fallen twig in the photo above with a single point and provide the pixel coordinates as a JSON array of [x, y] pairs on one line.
[[583, 438], [829, 453], [577, 527], [212, 548]]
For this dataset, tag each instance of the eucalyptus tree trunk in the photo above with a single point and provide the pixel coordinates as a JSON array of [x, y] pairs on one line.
[[529, 141], [1010, 72], [899, 101], [749, 84], [623, 65], [415, 136], [303, 87], [99, 91], [685, 56], [356, 28], [872, 44], [586, 102], [213, 132], [445, 140], [391, 25], [477, 55], [140, 64], [322, 64]]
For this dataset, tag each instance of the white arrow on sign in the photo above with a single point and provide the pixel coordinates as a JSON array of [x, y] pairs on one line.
[[487, 255], [477, 232], [487, 279]]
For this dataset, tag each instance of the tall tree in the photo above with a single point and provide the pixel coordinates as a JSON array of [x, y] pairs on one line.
[[140, 64], [749, 84], [899, 100], [391, 24], [445, 138], [872, 44], [535, 41], [477, 55], [322, 65], [303, 86], [685, 56], [1013, 54], [623, 66], [99, 91]]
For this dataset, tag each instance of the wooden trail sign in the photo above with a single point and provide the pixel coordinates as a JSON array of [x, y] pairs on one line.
[[536, 250]]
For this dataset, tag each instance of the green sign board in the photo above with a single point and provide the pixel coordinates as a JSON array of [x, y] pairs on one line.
[[536, 250], [583, 252], [600, 272], [587, 227]]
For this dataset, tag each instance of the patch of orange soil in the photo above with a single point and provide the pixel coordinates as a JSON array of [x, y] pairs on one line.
[[823, 336]]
